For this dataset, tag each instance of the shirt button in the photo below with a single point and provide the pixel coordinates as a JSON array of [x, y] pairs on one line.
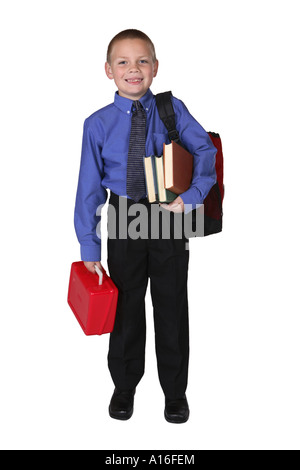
[[128, 112], [147, 109]]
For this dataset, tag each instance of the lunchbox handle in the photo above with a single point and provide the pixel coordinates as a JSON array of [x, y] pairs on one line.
[[100, 274]]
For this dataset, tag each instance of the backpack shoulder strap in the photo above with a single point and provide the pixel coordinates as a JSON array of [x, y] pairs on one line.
[[167, 115]]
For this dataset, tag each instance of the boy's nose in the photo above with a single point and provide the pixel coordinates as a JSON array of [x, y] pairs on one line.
[[134, 68]]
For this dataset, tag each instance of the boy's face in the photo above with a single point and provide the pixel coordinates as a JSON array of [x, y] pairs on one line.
[[131, 67]]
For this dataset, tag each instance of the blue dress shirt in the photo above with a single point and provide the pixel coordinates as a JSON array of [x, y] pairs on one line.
[[104, 161]]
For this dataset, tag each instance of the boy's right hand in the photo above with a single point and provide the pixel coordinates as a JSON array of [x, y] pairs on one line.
[[90, 265]]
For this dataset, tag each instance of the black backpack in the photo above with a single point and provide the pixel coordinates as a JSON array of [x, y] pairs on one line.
[[213, 211]]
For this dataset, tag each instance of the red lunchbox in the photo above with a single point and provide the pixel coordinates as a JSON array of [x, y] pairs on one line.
[[93, 299]]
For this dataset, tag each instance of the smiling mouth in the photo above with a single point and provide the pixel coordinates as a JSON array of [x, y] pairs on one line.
[[134, 80]]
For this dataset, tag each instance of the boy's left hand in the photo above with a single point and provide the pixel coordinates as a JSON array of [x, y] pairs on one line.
[[176, 206]]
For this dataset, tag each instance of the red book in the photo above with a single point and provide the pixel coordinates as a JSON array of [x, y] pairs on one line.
[[178, 168]]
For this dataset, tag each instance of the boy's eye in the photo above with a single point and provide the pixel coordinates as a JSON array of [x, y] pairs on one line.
[[124, 62]]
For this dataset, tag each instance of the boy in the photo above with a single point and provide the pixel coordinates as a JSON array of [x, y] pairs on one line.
[[115, 140]]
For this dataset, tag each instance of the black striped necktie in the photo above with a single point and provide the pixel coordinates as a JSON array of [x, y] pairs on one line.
[[136, 187]]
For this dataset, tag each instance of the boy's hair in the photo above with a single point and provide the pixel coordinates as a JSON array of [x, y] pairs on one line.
[[130, 34]]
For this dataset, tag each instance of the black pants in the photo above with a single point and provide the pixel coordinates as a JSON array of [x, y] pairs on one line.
[[131, 263]]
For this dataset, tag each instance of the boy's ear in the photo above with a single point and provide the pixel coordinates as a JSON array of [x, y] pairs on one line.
[[155, 69], [108, 71]]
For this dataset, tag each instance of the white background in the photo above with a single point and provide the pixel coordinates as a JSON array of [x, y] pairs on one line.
[[235, 65]]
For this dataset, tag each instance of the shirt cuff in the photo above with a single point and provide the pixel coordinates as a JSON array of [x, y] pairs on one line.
[[191, 199], [90, 252]]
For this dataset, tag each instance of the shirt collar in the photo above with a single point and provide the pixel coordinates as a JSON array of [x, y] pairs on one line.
[[125, 104]]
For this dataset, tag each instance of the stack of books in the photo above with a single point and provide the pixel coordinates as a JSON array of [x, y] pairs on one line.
[[168, 175]]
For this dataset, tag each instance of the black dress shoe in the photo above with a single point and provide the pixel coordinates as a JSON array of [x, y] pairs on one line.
[[177, 411], [121, 404]]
